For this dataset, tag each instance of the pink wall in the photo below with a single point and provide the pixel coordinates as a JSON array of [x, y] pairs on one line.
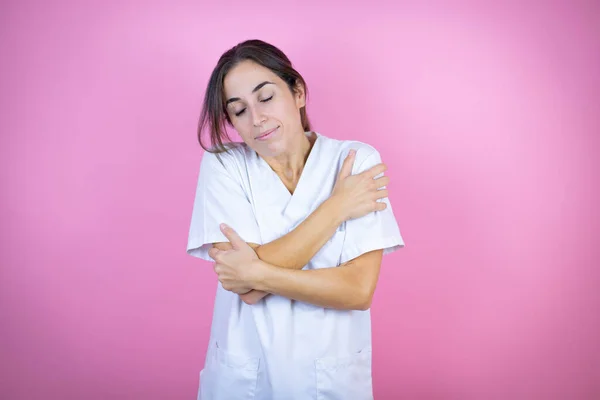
[[487, 117]]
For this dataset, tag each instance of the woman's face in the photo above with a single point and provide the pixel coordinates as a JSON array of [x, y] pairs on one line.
[[262, 108]]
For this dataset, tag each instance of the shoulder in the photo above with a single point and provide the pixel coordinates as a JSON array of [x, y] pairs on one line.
[[365, 152], [233, 160]]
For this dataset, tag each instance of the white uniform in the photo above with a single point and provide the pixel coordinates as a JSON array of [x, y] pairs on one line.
[[280, 348]]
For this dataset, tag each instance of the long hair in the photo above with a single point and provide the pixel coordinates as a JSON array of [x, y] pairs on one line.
[[214, 114]]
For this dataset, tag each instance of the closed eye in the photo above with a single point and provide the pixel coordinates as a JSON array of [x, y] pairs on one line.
[[237, 114]]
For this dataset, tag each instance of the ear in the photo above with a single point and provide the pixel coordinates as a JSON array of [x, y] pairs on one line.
[[299, 95]]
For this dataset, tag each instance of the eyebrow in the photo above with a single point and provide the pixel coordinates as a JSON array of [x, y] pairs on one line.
[[258, 87]]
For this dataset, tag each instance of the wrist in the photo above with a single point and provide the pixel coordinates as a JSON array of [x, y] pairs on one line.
[[259, 270], [334, 208]]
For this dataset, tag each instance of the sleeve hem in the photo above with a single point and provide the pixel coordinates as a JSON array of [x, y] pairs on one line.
[[389, 245], [198, 247]]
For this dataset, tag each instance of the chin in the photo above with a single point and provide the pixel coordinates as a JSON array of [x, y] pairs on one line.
[[275, 145], [272, 149]]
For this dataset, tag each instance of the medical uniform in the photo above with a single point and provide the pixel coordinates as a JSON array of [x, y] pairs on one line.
[[281, 349]]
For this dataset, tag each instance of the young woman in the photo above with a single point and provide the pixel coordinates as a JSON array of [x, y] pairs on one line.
[[296, 223]]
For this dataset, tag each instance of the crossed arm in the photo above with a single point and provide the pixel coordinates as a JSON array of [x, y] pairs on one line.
[[349, 286]]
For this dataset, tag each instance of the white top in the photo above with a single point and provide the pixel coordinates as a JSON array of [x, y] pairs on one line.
[[282, 348]]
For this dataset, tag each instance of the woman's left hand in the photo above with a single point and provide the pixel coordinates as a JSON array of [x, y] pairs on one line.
[[235, 268]]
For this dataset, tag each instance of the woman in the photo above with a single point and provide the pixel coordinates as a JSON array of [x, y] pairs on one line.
[[276, 213]]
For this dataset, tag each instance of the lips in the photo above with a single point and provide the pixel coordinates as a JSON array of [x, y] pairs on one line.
[[266, 134]]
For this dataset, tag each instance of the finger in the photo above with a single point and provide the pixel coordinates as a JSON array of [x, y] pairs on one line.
[[381, 194], [347, 165], [213, 252], [380, 206], [236, 241], [382, 181], [240, 290], [375, 170]]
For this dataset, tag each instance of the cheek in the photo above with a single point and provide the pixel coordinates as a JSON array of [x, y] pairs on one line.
[[292, 108], [284, 111], [243, 126], [245, 133]]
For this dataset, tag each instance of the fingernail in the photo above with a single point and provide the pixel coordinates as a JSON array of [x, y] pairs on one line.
[[352, 152], [223, 226]]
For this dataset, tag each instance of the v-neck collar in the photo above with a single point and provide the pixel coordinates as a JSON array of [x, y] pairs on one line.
[[302, 191]]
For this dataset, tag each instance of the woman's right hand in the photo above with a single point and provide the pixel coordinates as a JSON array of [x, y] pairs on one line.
[[357, 195]]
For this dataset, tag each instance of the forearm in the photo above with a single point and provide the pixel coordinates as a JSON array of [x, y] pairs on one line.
[[337, 287], [295, 249]]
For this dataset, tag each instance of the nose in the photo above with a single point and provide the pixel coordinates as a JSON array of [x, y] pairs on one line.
[[257, 117]]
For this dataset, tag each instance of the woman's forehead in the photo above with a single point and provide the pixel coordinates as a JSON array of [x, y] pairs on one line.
[[244, 77]]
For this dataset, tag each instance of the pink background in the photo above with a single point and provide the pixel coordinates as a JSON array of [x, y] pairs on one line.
[[487, 115]]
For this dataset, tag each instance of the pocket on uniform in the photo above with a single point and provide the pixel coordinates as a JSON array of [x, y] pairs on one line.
[[344, 378], [228, 376]]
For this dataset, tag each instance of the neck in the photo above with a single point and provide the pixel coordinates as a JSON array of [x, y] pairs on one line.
[[289, 165]]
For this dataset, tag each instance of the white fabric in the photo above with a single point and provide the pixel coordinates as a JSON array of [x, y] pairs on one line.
[[282, 348]]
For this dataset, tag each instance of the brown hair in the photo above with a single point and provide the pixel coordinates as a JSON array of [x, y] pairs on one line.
[[214, 115]]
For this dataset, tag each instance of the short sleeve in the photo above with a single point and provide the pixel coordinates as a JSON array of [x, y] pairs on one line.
[[374, 231], [220, 198]]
